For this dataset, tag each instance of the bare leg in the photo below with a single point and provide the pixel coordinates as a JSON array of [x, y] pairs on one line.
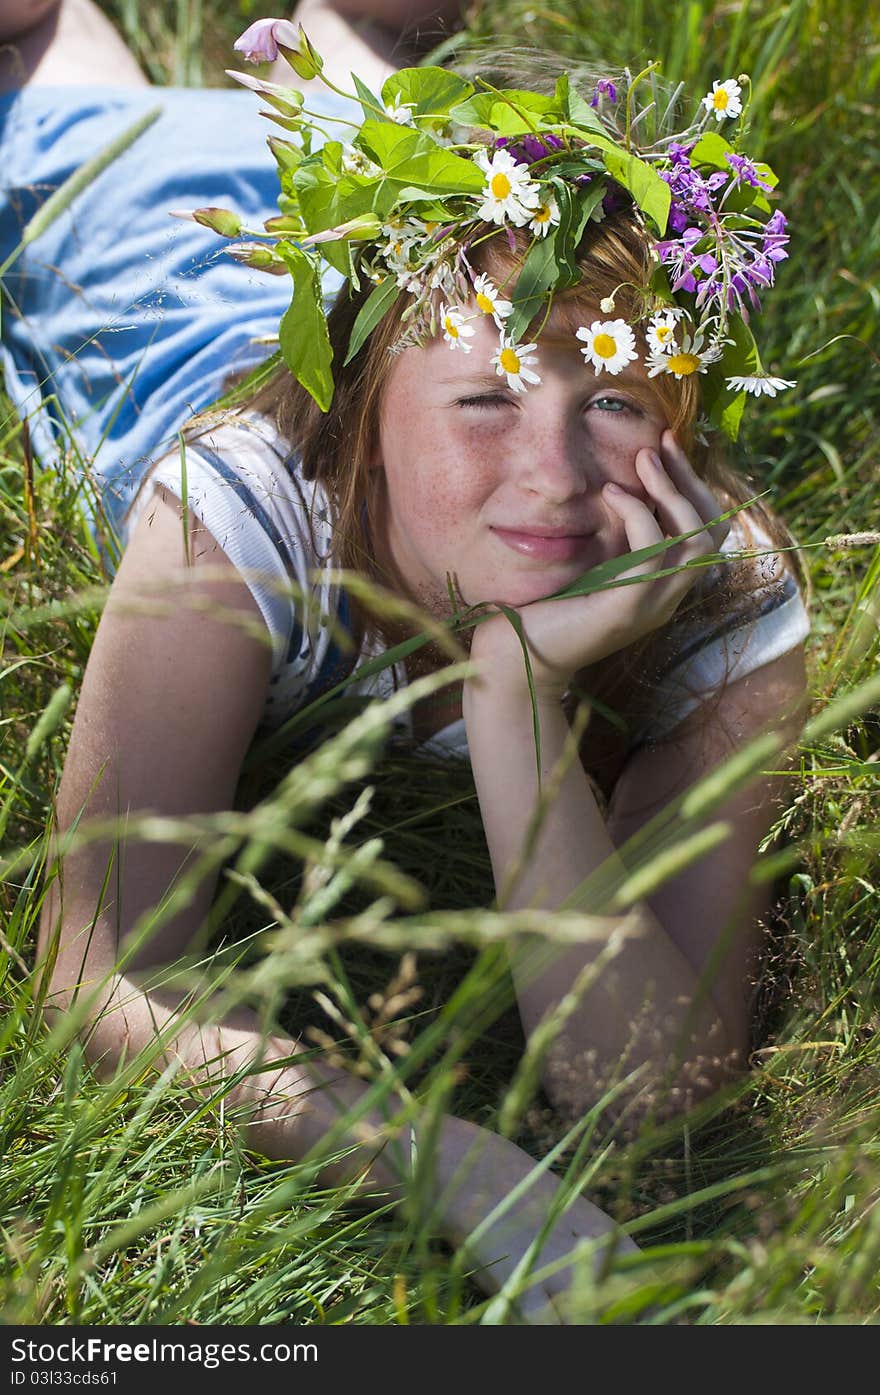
[[18, 16], [71, 44], [369, 37]]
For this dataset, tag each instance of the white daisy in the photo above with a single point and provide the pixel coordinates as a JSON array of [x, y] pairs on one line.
[[455, 328], [511, 361], [724, 100], [608, 344], [442, 278], [401, 112], [394, 228], [546, 217], [397, 248], [418, 228], [761, 385], [490, 302], [509, 193], [396, 254], [660, 333], [684, 359]]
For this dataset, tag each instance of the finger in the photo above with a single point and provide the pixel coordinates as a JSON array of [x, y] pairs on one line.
[[695, 489], [640, 525], [675, 510], [537, 1308]]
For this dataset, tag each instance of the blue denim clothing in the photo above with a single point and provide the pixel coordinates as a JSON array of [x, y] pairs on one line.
[[119, 320]]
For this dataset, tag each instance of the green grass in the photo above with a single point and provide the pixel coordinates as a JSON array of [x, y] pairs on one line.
[[119, 1204]]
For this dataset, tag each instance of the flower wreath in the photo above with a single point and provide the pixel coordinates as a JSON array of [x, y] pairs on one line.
[[401, 202]]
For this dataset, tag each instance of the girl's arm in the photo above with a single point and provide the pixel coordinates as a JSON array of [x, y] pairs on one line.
[[646, 1006], [171, 697]]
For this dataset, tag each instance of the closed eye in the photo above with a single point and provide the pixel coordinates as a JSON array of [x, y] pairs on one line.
[[486, 399]]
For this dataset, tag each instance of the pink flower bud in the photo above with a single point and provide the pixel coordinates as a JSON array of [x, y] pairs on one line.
[[219, 220], [283, 99], [261, 258], [260, 42], [365, 226]]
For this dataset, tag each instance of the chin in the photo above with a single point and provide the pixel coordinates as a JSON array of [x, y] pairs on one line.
[[523, 590]]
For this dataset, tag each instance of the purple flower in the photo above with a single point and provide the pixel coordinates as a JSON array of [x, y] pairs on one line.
[[539, 147], [604, 88], [530, 148], [775, 237], [615, 199], [689, 187], [745, 171], [680, 154], [678, 216], [259, 43], [683, 261]]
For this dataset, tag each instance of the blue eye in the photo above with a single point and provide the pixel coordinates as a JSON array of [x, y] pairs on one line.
[[611, 404]]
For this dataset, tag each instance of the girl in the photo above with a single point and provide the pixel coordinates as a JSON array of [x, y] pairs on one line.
[[446, 457]]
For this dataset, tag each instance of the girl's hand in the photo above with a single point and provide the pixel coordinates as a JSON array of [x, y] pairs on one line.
[[501, 1210], [565, 636], [569, 1249]]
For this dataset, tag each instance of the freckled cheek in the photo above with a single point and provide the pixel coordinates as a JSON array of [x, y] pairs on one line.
[[619, 462], [437, 503], [620, 469]]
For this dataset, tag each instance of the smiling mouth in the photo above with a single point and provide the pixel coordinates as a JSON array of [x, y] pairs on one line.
[[545, 545]]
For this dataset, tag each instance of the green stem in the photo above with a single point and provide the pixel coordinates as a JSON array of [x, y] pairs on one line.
[[513, 106], [639, 77], [349, 97]]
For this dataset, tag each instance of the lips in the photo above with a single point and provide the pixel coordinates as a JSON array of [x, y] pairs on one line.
[[544, 544]]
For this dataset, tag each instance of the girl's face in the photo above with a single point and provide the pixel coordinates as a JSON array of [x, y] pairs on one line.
[[502, 490]]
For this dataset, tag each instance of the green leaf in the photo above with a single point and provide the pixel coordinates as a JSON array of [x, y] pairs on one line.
[[573, 108], [576, 207], [431, 91], [711, 149], [538, 274], [331, 156], [651, 193], [724, 405], [373, 106], [378, 302], [302, 334], [509, 111], [562, 94], [408, 157], [338, 255], [410, 194], [567, 273], [326, 200], [433, 212], [551, 262], [731, 416]]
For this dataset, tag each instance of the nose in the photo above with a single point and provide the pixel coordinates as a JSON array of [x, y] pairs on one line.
[[550, 465]]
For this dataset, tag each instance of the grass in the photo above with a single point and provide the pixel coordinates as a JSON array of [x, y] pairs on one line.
[[118, 1203]]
